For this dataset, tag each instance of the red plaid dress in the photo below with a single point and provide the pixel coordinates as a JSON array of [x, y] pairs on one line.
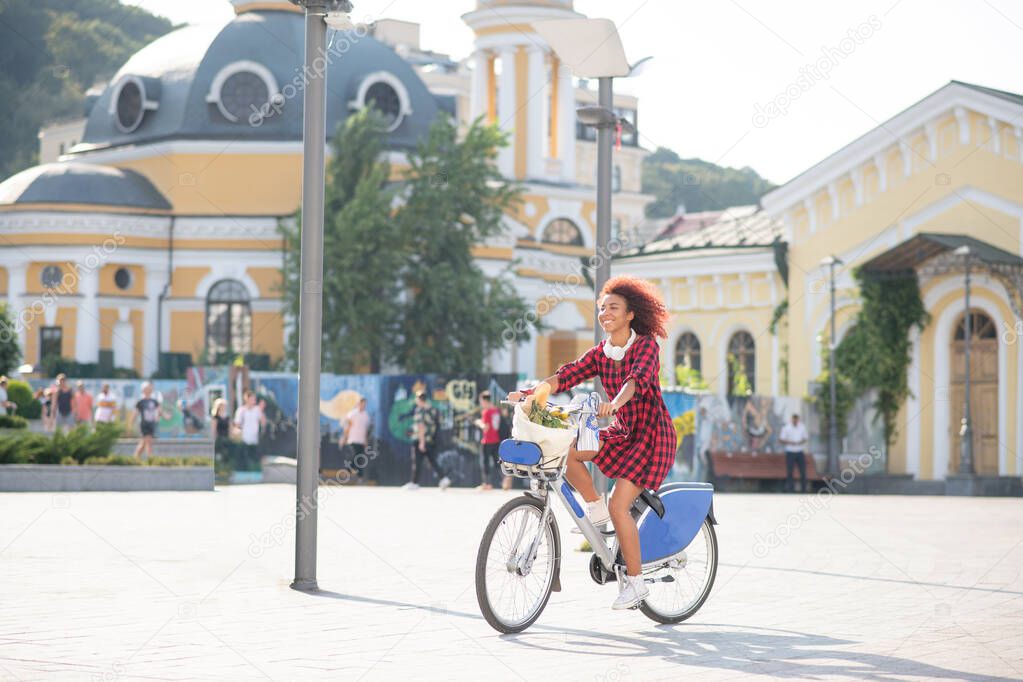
[[639, 445]]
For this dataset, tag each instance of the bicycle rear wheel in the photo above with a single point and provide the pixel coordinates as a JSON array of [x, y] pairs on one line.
[[511, 587], [680, 585]]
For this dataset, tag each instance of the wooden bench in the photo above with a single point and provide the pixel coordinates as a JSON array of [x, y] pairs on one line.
[[756, 466]]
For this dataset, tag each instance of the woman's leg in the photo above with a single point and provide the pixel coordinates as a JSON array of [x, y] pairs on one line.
[[579, 476], [625, 493]]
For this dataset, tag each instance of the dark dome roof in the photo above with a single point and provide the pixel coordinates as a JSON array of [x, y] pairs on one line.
[[81, 183], [178, 71]]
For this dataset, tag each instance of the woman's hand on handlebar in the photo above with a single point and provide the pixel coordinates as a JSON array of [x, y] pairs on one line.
[[514, 397], [606, 409]]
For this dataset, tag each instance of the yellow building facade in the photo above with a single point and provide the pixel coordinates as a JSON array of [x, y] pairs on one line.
[[946, 172], [153, 225]]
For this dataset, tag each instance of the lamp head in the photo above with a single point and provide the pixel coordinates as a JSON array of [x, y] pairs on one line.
[[963, 250], [828, 261], [597, 117]]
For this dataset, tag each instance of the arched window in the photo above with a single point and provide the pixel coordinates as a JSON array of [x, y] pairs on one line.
[[742, 357], [981, 327], [228, 319], [563, 231], [687, 351]]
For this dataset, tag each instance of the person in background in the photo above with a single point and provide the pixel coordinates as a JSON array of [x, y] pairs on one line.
[[249, 418], [106, 406], [794, 437], [45, 398], [147, 409], [425, 423], [489, 424], [6, 406], [63, 400], [356, 436], [81, 404], [220, 427]]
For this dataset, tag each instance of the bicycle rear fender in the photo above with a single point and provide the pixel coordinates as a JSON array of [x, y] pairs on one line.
[[686, 505]]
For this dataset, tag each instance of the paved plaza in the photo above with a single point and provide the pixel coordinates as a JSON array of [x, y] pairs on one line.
[[120, 586]]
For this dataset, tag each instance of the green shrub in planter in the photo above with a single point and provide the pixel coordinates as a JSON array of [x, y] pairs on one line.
[[112, 460], [23, 448], [197, 462], [164, 462], [68, 461], [20, 393], [12, 421]]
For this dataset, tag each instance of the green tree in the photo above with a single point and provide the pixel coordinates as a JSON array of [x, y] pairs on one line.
[[454, 314], [51, 52], [699, 185], [10, 349], [363, 254]]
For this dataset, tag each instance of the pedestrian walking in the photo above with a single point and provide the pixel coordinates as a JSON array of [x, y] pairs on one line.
[[425, 424], [794, 437], [355, 438], [81, 404], [106, 406], [249, 417], [63, 401], [489, 424], [220, 426], [147, 411]]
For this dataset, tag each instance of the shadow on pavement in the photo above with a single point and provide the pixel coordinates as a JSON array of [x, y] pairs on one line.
[[772, 651]]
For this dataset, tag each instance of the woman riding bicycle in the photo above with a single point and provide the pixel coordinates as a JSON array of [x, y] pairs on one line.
[[638, 448]]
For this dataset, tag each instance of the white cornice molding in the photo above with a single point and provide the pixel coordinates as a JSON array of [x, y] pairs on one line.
[[696, 263], [24, 222], [115, 155], [952, 97]]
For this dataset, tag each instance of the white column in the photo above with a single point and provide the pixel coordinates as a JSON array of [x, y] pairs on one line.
[[506, 110], [857, 181], [87, 334], [478, 94], [566, 124], [833, 196], [15, 290], [536, 89], [155, 281], [996, 135]]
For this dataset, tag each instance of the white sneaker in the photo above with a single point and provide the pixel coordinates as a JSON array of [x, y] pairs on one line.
[[411, 486], [633, 591], [444, 483], [597, 513]]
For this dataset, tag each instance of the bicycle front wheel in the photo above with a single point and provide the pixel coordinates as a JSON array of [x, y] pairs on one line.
[[680, 585], [513, 583]]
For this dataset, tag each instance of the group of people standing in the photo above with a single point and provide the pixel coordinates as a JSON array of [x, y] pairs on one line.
[[244, 427], [65, 408]]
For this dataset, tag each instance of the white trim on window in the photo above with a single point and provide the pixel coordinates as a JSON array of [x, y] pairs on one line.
[[388, 78], [214, 95]]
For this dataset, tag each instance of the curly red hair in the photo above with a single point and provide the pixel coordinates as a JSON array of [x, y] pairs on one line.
[[644, 300]]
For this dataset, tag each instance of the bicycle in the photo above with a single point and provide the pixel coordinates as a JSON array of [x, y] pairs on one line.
[[518, 564]]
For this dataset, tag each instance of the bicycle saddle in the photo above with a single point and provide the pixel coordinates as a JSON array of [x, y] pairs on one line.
[[653, 501]]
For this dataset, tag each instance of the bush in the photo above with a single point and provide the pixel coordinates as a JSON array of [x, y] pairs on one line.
[[12, 421], [78, 445], [164, 462], [197, 462], [112, 460], [20, 393]]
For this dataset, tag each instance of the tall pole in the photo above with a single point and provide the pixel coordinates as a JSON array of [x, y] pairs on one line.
[[314, 134], [833, 387], [966, 431], [605, 99]]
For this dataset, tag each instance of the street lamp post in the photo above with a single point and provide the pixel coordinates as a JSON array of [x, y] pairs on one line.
[[574, 40], [830, 262], [310, 316], [966, 466]]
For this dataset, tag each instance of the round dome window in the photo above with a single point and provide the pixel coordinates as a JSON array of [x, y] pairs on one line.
[[384, 99], [123, 279], [387, 95], [129, 103], [243, 89], [51, 276]]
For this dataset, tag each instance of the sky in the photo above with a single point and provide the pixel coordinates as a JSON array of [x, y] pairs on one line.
[[777, 86]]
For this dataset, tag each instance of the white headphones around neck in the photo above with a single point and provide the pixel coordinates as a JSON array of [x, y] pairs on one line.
[[618, 352]]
